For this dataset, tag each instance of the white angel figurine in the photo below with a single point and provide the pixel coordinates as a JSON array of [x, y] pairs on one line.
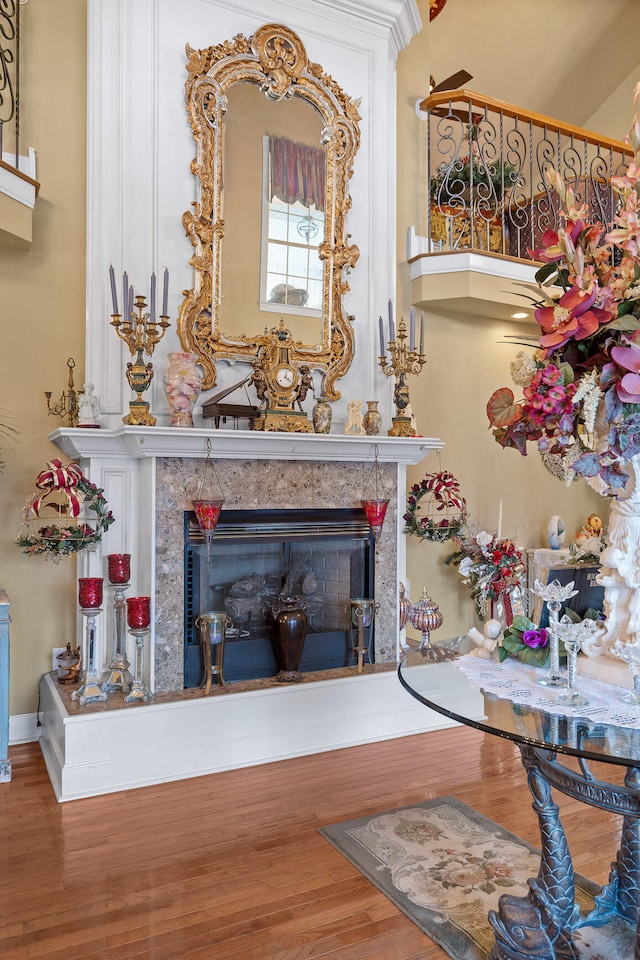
[[488, 640]]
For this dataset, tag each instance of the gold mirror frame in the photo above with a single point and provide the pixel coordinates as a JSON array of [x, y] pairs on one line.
[[275, 59]]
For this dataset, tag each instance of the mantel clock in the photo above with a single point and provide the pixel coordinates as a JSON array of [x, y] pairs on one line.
[[281, 383]]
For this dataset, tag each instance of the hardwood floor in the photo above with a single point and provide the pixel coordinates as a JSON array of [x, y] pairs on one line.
[[232, 866]]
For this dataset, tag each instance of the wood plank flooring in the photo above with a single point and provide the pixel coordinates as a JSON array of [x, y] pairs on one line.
[[232, 866]]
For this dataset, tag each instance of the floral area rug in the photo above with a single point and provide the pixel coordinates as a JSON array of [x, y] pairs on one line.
[[445, 866]]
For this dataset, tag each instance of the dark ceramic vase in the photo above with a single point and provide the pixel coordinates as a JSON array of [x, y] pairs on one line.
[[290, 633]]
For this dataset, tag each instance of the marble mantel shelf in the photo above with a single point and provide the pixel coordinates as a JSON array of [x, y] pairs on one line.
[[142, 442]]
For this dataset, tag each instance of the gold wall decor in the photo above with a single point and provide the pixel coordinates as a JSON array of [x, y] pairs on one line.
[[275, 61]]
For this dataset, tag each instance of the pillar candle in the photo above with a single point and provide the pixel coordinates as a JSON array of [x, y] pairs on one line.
[[392, 332], [114, 295], [412, 329], [165, 294], [382, 350]]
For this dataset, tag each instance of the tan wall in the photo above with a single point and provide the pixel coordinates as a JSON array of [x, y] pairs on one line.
[[42, 292], [467, 361]]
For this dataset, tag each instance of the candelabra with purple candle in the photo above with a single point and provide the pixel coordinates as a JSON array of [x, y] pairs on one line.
[[141, 331]]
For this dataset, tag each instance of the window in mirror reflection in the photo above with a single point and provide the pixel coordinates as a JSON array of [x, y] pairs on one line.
[[292, 226]]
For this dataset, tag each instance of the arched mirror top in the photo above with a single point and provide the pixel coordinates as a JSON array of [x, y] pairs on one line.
[[274, 59]]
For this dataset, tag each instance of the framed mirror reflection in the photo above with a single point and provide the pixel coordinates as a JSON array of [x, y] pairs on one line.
[[275, 143]]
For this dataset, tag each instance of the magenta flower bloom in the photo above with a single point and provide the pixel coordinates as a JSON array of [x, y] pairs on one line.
[[573, 316], [628, 389], [535, 638]]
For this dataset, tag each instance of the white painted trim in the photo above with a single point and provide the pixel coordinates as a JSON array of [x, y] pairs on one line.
[[107, 751], [23, 728], [464, 261], [144, 442], [15, 187]]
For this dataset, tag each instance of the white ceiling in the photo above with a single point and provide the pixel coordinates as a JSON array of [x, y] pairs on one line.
[[561, 58]]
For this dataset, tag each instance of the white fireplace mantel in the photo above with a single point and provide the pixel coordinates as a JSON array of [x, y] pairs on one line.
[[141, 442]]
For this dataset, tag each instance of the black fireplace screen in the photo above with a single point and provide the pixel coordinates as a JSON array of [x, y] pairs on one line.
[[325, 557]]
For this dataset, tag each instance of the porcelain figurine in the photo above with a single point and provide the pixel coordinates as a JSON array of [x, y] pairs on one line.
[[556, 532]]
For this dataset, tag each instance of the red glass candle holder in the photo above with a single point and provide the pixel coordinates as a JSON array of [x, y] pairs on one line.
[[138, 612], [375, 511], [119, 566], [90, 592]]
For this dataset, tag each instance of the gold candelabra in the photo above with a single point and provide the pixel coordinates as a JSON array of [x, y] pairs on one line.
[[67, 405], [141, 334], [402, 362]]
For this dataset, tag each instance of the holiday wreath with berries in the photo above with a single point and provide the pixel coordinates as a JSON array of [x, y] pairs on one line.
[[79, 497], [436, 509]]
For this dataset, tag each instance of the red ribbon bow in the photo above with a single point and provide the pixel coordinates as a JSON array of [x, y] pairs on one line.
[[59, 477]]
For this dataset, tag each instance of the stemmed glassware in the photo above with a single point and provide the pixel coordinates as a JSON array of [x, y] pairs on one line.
[[119, 678], [90, 601], [554, 595], [573, 636], [630, 653], [139, 619]]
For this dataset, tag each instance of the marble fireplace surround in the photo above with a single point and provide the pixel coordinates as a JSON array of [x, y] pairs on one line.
[[150, 474]]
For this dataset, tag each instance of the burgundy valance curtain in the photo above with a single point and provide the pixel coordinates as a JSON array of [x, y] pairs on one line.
[[297, 172]]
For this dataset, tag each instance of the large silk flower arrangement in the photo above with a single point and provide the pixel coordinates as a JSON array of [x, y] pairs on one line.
[[581, 388]]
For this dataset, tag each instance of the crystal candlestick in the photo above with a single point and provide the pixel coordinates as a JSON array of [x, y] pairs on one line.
[[119, 678], [573, 635], [630, 653], [90, 600], [139, 618], [554, 595]]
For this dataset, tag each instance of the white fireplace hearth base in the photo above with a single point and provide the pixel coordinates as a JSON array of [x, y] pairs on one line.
[[104, 751]]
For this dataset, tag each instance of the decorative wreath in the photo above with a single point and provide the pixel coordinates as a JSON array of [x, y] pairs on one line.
[[54, 540], [445, 508]]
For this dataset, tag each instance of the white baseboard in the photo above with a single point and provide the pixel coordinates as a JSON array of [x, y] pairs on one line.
[[23, 728]]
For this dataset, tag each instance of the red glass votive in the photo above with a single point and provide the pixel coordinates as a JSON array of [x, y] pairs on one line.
[[207, 513], [119, 565], [138, 612], [90, 592]]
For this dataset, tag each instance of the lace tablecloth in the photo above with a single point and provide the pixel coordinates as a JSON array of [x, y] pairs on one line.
[[516, 681]]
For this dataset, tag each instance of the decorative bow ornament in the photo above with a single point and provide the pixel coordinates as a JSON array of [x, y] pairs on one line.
[[63, 478]]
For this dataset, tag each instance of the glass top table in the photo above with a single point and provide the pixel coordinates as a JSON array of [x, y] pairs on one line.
[[442, 686], [542, 923]]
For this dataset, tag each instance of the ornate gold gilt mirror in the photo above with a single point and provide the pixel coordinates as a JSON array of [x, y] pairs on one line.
[[276, 138]]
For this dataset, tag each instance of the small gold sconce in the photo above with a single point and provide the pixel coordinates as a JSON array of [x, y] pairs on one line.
[[67, 405]]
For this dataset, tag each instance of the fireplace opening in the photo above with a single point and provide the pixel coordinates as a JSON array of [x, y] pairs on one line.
[[325, 557]]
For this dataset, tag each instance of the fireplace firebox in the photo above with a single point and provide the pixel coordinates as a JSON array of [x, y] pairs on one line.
[[325, 557]]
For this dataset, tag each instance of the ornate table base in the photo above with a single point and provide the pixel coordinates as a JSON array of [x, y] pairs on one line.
[[541, 925]]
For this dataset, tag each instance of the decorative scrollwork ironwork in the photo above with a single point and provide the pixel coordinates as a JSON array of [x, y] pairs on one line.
[[9, 32]]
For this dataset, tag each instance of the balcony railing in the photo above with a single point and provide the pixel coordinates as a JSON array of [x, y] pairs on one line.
[[10, 82], [485, 173]]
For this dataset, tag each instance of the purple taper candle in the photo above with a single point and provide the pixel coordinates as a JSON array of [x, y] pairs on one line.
[[165, 294], [421, 334], [130, 301], [114, 295], [152, 299], [382, 350], [125, 295], [412, 329], [392, 332]]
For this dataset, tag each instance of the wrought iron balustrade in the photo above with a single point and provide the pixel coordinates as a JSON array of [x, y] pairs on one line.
[[10, 82], [485, 173]]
